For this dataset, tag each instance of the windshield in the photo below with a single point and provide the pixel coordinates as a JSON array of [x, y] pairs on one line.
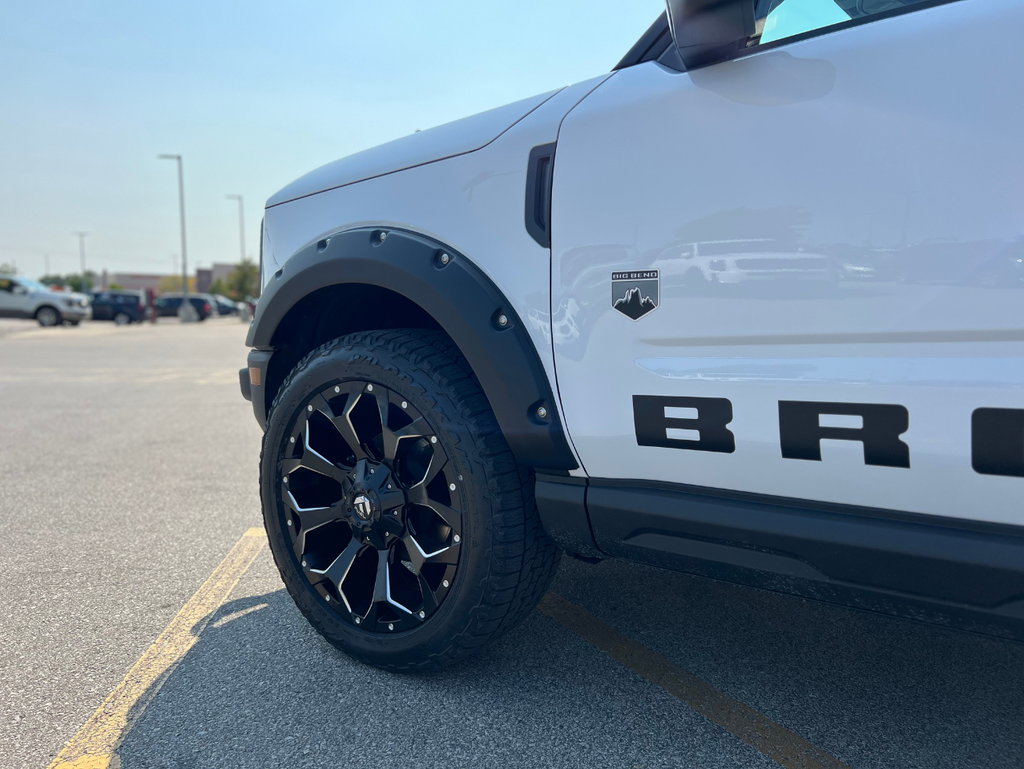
[[32, 285]]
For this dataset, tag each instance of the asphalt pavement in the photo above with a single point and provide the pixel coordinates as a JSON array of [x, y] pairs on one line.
[[128, 471]]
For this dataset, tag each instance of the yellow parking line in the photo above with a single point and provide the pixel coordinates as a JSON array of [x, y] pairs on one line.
[[774, 740], [96, 742]]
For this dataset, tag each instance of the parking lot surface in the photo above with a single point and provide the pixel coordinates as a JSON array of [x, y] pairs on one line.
[[128, 471]]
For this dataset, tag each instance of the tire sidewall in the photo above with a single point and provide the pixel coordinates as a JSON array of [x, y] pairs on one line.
[[456, 613]]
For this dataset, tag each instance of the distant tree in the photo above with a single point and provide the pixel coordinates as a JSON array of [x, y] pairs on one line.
[[116, 287], [75, 283], [8, 268], [244, 280], [219, 287]]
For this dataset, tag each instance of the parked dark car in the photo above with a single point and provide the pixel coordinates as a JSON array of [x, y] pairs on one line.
[[122, 307], [167, 305], [224, 305]]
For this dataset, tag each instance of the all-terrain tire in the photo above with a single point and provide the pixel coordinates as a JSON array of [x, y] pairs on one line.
[[506, 563]]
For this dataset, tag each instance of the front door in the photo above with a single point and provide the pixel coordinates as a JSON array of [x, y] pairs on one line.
[[14, 299], [102, 306], [800, 273]]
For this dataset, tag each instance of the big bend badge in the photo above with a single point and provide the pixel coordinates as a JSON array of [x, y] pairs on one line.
[[635, 294]]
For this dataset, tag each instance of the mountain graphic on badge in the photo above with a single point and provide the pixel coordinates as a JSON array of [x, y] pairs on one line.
[[635, 294]]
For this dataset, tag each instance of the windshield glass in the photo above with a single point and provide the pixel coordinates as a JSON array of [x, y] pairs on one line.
[[787, 18], [32, 285]]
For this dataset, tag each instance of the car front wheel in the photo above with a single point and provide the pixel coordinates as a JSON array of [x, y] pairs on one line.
[[47, 317], [400, 521]]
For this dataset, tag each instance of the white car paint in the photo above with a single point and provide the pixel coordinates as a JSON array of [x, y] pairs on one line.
[[888, 152], [438, 143], [901, 134], [474, 203]]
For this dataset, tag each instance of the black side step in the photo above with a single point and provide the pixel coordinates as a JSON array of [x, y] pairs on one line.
[[957, 573]]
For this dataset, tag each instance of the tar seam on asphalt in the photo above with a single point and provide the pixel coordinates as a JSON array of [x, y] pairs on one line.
[[95, 744], [774, 740]]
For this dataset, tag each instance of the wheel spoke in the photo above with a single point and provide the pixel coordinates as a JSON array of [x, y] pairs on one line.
[[315, 517], [418, 496], [429, 599], [418, 556], [384, 399], [418, 428], [343, 424], [391, 498], [449, 556], [391, 600], [311, 518], [392, 524], [313, 460], [437, 464], [380, 583], [338, 569], [299, 545], [448, 515]]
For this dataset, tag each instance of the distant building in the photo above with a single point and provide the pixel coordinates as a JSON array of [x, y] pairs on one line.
[[206, 277], [133, 281]]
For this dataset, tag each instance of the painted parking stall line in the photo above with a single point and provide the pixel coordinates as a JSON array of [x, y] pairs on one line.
[[95, 744], [774, 740]]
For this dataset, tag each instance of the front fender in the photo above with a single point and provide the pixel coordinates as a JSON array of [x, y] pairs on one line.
[[460, 298]]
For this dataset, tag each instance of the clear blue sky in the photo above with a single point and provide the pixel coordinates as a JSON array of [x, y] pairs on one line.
[[253, 95]]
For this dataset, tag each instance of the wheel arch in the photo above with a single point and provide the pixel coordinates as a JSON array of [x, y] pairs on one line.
[[358, 280]]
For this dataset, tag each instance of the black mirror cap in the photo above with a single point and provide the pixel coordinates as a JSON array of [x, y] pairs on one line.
[[706, 31]]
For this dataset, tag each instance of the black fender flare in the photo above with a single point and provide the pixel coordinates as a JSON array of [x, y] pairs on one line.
[[460, 298]]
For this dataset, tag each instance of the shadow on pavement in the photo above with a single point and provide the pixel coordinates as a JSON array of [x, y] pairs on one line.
[[261, 689]]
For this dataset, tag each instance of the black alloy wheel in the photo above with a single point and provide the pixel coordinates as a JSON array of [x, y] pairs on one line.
[[369, 508], [402, 525]]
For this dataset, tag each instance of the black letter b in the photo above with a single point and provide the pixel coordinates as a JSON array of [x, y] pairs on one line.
[[713, 414]]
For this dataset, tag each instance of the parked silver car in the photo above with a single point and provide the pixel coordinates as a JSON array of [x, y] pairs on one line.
[[26, 298]]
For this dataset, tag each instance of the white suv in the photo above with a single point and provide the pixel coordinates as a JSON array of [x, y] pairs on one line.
[[25, 298], [751, 307]]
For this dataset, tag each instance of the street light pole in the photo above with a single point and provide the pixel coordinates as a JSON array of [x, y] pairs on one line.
[[187, 313], [81, 255], [241, 220]]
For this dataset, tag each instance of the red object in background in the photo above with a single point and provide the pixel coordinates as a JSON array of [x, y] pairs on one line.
[[151, 304]]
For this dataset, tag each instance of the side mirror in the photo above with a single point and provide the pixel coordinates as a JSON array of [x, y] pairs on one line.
[[706, 31], [20, 290]]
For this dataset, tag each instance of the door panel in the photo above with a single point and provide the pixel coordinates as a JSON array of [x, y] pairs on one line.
[[15, 300], [836, 221], [101, 308], [8, 301]]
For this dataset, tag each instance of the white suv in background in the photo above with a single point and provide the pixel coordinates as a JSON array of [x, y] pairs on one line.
[[26, 298]]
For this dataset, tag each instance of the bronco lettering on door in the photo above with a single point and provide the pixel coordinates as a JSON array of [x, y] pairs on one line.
[[997, 435]]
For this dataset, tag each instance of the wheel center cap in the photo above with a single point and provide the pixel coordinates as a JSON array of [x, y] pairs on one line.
[[363, 507]]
